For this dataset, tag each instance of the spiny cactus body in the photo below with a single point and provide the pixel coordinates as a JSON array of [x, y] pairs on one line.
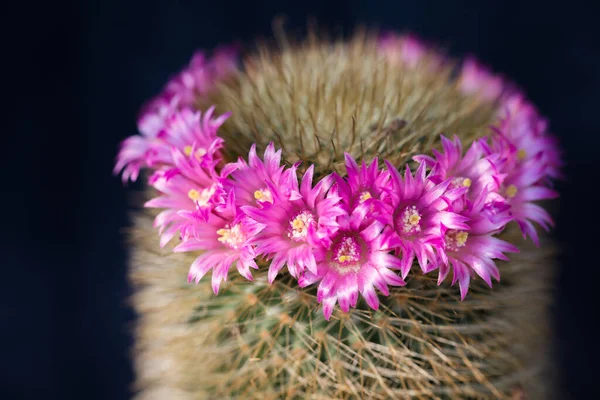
[[316, 100]]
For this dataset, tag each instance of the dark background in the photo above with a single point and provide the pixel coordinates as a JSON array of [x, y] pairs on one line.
[[77, 73]]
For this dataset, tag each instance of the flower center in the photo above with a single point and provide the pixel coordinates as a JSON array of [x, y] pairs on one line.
[[202, 198], [409, 221], [521, 154], [299, 225], [460, 182], [456, 239], [187, 150], [263, 196], [364, 196], [193, 194], [232, 237], [346, 254], [511, 191]]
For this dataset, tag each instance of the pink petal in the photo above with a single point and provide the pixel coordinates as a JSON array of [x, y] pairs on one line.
[[391, 278], [443, 273], [371, 297], [328, 305], [276, 266], [326, 285]]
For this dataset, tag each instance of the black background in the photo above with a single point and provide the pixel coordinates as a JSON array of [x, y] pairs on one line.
[[77, 73]]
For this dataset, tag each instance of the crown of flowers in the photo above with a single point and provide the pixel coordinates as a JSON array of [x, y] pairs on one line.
[[349, 234]]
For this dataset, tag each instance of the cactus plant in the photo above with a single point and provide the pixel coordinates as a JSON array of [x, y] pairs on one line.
[[373, 98]]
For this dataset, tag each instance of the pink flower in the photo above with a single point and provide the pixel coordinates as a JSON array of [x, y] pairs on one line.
[[518, 108], [160, 115], [524, 183], [153, 115], [201, 75], [364, 184], [523, 130], [185, 130], [529, 158], [225, 61], [526, 138], [188, 191], [522, 187], [472, 171], [473, 251], [224, 239], [191, 133], [252, 180], [358, 261], [417, 211], [403, 48], [553, 159], [132, 154], [297, 223], [475, 78]]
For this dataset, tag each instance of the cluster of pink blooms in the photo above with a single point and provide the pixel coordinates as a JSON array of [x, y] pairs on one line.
[[347, 234], [160, 124]]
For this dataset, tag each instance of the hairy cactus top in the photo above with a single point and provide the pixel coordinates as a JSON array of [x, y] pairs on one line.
[[307, 204]]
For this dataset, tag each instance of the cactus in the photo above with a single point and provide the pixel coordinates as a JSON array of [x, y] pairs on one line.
[[316, 100]]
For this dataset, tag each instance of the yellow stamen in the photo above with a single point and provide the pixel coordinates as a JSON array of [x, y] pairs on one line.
[[222, 232], [414, 219], [187, 150], [365, 196], [461, 238], [521, 154], [466, 182], [298, 224], [344, 258], [193, 194], [232, 237], [511, 191], [263, 195], [456, 239], [202, 198], [410, 220]]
